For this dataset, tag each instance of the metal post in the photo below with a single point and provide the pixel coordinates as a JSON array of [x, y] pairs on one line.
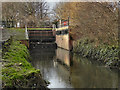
[[26, 32], [68, 20], [1, 45], [60, 23]]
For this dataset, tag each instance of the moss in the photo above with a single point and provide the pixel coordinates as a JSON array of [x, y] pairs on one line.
[[104, 53], [16, 68]]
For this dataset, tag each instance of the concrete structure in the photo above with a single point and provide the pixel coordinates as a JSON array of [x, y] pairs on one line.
[[26, 33], [62, 38], [58, 35], [62, 35]]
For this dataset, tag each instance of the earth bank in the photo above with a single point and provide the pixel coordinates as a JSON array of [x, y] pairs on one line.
[[17, 72]]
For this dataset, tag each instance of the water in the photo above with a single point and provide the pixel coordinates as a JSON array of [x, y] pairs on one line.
[[65, 70]]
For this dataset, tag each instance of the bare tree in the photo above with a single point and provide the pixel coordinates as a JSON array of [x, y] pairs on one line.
[[31, 13]]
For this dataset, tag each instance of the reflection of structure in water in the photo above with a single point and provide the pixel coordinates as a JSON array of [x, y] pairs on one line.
[[42, 52], [64, 57], [44, 58], [40, 45]]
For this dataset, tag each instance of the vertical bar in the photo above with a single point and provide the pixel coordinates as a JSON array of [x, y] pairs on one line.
[[0, 45], [26, 32], [68, 34], [60, 23], [119, 43], [68, 20]]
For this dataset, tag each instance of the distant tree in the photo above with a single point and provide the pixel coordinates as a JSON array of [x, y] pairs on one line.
[[31, 13]]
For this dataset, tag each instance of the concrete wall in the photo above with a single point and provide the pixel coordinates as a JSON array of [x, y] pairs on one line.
[[63, 41]]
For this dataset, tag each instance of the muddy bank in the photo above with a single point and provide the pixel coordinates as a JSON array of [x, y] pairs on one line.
[[17, 72], [103, 53]]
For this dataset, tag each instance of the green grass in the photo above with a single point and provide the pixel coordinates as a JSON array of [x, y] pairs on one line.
[[22, 29], [18, 33], [15, 65], [39, 28], [18, 29]]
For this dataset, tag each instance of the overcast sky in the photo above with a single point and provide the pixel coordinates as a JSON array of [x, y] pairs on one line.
[[51, 4], [59, 0]]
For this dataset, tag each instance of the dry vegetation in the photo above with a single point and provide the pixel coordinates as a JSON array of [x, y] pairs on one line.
[[94, 27], [93, 20]]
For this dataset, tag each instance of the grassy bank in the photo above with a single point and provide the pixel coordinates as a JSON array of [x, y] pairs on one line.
[[22, 29], [104, 53], [39, 28], [18, 33], [17, 71]]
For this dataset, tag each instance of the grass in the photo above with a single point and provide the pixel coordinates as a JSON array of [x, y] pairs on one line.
[[18, 33], [16, 69], [39, 28], [22, 29], [18, 29]]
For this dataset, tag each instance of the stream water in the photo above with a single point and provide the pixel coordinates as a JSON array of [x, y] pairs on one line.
[[65, 70]]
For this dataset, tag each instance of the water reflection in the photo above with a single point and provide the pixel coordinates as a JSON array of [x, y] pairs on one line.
[[66, 71], [91, 75], [64, 57]]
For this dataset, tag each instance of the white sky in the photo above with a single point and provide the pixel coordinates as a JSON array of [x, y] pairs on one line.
[[51, 4]]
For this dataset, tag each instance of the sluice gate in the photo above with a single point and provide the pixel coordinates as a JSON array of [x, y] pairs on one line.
[[59, 35], [41, 36]]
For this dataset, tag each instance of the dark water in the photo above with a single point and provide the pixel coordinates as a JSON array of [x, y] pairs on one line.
[[65, 70]]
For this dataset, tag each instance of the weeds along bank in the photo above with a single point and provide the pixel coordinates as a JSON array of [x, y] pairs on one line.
[[104, 53], [16, 70]]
